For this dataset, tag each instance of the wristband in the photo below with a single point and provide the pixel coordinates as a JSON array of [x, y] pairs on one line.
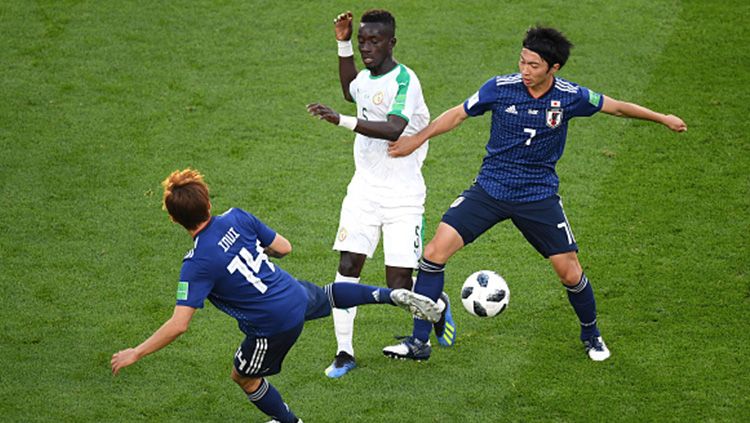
[[345, 48], [348, 122]]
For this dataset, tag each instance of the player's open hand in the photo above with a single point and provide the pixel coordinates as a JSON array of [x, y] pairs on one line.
[[674, 123], [343, 26], [403, 146], [122, 359], [321, 111]]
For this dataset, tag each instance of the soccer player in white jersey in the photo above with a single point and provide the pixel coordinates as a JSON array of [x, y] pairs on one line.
[[517, 180], [385, 194]]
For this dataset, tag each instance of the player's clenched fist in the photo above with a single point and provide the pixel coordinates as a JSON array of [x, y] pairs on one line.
[[675, 123]]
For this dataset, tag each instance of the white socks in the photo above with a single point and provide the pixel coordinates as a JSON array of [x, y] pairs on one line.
[[343, 321]]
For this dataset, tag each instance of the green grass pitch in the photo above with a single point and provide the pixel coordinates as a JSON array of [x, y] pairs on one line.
[[100, 100]]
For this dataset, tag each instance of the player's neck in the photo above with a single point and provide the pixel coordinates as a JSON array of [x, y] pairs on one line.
[[199, 228], [540, 90], [385, 67]]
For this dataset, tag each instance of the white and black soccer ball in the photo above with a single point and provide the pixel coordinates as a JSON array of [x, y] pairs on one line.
[[485, 294]]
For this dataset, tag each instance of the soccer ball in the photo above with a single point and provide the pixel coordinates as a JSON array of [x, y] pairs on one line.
[[485, 294]]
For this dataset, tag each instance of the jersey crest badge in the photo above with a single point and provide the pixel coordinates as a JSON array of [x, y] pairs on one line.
[[377, 99], [554, 115]]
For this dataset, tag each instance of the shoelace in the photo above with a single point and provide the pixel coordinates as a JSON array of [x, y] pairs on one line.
[[409, 340], [594, 344]]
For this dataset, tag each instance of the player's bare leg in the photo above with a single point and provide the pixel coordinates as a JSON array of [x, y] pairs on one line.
[[567, 267], [446, 242], [581, 297], [351, 264], [399, 277]]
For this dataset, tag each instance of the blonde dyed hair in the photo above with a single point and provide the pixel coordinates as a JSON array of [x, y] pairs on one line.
[[186, 198]]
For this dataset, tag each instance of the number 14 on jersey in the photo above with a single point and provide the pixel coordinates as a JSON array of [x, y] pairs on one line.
[[249, 266]]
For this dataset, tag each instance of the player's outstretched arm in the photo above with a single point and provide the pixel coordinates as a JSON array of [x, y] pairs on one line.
[[168, 332], [631, 110], [388, 130], [447, 121], [342, 25]]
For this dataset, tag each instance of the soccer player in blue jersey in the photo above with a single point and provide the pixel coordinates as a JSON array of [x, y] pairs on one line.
[[229, 266], [517, 180]]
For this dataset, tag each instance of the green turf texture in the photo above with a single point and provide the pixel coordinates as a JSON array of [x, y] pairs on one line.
[[101, 100]]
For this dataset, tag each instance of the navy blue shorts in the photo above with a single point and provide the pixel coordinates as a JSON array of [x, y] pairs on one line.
[[542, 222], [263, 355]]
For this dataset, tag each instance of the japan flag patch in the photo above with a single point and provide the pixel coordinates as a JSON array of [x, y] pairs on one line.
[[554, 115]]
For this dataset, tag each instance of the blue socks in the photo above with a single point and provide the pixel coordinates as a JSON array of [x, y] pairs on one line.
[[430, 282], [581, 297], [268, 400], [347, 294]]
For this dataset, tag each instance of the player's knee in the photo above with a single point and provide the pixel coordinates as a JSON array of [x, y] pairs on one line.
[[236, 377], [446, 242], [350, 265], [248, 384], [434, 253], [347, 269], [568, 268], [571, 276]]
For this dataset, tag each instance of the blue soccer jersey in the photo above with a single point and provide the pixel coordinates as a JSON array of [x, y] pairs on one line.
[[527, 136], [228, 266]]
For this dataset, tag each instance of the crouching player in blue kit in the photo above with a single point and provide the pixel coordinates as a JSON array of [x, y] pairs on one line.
[[229, 265], [517, 180]]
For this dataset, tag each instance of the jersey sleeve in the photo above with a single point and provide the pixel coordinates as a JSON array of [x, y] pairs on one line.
[[587, 102], [353, 88], [265, 234], [194, 286], [483, 99], [407, 95]]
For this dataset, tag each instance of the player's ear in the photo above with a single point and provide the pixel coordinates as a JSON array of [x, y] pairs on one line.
[[393, 42], [554, 68]]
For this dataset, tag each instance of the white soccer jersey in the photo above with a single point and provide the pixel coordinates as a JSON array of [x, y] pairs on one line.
[[387, 180]]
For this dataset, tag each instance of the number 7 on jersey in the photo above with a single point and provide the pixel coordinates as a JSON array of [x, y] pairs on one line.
[[532, 133]]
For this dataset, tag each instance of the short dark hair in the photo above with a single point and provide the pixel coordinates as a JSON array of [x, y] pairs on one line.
[[186, 198], [380, 16], [548, 43]]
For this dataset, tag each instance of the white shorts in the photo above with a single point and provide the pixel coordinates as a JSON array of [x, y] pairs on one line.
[[360, 225]]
